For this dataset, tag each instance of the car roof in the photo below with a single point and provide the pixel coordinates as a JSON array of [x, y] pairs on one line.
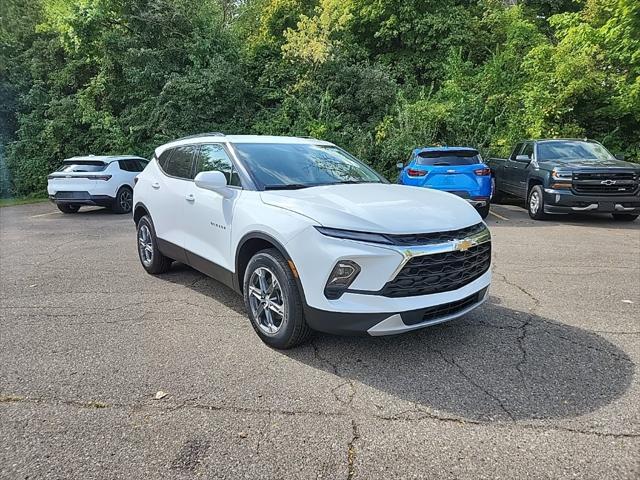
[[443, 148], [237, 139], [103, 158]]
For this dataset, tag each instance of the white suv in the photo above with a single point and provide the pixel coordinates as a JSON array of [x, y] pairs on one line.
[[95, 180], [313, 238]]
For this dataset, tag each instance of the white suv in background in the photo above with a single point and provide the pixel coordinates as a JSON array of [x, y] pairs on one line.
[[313, 238], [95, 180]]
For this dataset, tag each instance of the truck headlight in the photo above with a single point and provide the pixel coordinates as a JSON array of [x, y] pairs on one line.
[[342, 275]]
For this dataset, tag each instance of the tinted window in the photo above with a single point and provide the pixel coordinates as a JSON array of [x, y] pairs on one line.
[[276, 165], [82, 166], [516, 151], [528, 150], [164, 158], [181, 161], [131, 165], [449, 157], [214, 158]]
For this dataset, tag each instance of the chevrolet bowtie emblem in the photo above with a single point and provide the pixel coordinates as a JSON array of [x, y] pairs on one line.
[[464, 245]]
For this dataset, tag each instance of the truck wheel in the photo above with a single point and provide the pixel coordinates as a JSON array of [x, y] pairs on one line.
[[535, 203], [484, 211], [496, 195], [273, 301], [68, 208], [624, 217]]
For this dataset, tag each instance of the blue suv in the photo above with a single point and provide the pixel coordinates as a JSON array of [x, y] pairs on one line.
[[457, 170]]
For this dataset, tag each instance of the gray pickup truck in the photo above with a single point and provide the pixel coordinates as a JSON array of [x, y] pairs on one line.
[[568, 176]]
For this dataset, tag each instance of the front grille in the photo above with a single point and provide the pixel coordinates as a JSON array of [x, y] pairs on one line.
[[446, 309], [615, 183], [440, 272], [416, 239]]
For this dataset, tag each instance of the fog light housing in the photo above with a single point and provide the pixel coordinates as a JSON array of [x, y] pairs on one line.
[[342, 275]]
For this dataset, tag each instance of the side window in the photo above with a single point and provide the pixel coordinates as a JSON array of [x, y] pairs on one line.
[[180, 163], [516, 151], [213, 157], [528, 150], [130, 165], [142, 164], [163, 161]]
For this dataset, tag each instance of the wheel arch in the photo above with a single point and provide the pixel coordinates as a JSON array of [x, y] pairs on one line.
[[139, 211], [534, 181]]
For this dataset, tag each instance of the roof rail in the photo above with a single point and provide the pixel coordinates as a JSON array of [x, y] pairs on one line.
[[206, 134]]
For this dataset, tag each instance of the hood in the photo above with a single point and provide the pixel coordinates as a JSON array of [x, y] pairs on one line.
[[586, 164], [377, 207]]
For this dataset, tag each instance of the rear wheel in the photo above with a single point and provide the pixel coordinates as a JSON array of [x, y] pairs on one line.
[[68, 208], [152, 260], [484, 211], [273, 301], [624, 217], [535, 203], [124, 200]]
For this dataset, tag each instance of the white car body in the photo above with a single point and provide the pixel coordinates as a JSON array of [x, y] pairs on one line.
[[211, 231], [98, 184]]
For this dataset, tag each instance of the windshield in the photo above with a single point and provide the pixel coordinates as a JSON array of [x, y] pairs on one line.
[[82, 166], [278, 166], [449, 157], [572, 150]]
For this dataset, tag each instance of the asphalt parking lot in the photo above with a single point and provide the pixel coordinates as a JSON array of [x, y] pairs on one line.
[[540, 382]]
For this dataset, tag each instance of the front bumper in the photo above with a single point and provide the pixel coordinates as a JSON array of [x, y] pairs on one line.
[[565, 201], [381, 324], [81, 198]]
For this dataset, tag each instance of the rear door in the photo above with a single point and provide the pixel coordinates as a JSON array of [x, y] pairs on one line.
[[519, 171], [168, 196], [508, 182]]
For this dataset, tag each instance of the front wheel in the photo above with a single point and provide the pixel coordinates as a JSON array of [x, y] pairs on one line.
[[68, 208], [535, 203], [624, 217], [484, 211], [273, 301]]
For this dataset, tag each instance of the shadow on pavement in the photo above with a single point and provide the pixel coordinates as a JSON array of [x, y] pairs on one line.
[[495, 363]]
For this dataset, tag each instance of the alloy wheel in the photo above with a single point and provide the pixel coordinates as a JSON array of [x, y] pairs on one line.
[[534, 202], [125, 200], [145, 245], [266, 300]]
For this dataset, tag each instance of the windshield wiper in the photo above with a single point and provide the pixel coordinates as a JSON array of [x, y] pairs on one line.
[[350, 182], [288, 186]]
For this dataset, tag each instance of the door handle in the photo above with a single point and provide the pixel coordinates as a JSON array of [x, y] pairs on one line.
[[190, 198], [155, 185]]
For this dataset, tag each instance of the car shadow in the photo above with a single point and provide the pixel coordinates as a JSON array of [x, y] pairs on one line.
[[494, 363]]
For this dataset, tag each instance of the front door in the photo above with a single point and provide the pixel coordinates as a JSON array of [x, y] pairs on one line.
[[208, 233]]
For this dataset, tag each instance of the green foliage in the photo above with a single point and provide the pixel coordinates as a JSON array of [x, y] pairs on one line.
[[378, 77]]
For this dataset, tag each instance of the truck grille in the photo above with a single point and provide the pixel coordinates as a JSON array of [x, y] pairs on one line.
[[605, 183], [440, 272]]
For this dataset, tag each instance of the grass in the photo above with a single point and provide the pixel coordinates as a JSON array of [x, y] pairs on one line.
[[9, 202]]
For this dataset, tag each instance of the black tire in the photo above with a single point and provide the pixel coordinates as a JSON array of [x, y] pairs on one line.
[[535, 203], [624, 217], [146, 237], [292, 329], [484, 211], [124, 200], [496, 195], [68, 207]]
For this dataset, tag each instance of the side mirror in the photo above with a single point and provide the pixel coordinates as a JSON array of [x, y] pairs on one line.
[[399, 165], [522, 158], [214, 181], [620, 156]]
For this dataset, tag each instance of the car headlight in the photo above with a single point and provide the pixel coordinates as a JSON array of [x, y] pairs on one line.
[[560, 175], [342, 275], [352, 235]]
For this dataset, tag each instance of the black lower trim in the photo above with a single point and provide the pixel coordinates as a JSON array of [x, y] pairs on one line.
[[95, 200], [606, 204], [358, 323], [201, 264]]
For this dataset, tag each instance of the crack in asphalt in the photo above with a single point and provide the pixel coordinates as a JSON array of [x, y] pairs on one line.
[[351, 450]]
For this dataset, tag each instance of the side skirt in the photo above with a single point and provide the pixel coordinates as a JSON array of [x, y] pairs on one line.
[[199, 263]]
